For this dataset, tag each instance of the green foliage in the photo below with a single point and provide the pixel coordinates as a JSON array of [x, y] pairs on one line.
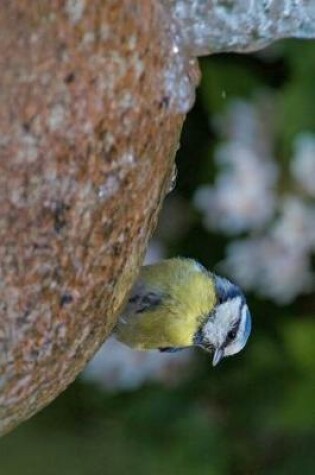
[[297, 96], [223, 78]]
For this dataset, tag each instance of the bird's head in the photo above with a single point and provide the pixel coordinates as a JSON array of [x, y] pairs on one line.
[[227, 328]]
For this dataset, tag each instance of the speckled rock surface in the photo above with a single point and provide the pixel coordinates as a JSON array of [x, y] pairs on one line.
[[87, 144]]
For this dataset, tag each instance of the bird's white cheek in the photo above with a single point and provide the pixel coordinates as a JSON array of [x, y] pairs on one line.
[[234, 348], [212, 333]]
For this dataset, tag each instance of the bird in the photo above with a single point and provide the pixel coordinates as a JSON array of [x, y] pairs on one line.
[[177, 303]]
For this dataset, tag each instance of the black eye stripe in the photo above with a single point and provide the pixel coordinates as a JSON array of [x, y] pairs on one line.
[[198, 338], [231, 335]]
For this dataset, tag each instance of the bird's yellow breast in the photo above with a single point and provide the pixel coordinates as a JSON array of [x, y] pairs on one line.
[[187, 296]]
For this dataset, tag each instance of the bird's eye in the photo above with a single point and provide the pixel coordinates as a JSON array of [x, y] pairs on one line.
[[231, 335]]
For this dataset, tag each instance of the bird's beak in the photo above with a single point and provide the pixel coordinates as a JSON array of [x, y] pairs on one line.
[[218, 355]]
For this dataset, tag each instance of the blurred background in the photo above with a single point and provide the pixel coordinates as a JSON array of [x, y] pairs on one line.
[[244, 205]]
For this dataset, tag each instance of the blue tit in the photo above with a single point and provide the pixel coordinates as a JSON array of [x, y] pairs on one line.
[[177, 303]]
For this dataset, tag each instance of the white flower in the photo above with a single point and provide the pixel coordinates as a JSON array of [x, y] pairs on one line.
[[249, 124], [242, 197], [295, 227], [277, 261], [276, 270], [116, 367], [303, 163]]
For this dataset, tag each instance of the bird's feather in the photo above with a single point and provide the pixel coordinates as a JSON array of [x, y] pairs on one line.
[[167, 305]]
